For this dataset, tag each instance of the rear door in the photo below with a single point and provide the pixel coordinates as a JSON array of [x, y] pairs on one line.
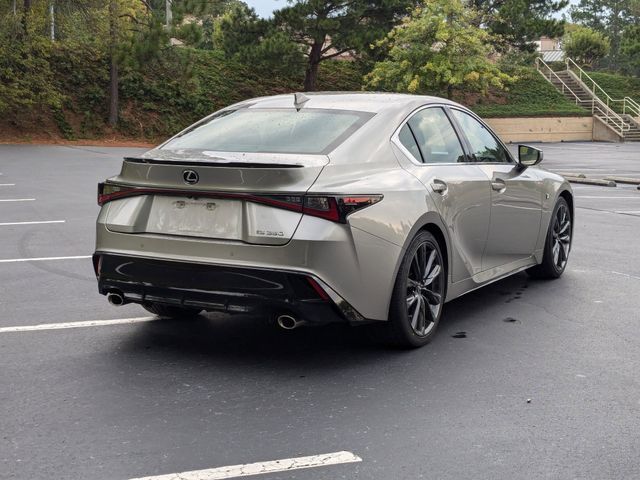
[[460, 191], [516, 195]]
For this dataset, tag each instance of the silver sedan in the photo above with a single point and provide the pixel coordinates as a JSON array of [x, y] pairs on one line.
[[312, 208]]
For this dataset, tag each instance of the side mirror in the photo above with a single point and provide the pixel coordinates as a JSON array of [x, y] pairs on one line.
[[528, 156]]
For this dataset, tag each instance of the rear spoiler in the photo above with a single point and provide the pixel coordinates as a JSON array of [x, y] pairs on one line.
[[213, 162]]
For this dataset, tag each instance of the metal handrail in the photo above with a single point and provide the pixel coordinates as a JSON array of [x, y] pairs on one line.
[[628, 103], [598, 107]]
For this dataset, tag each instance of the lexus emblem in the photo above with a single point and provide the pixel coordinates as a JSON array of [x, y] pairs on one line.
[[190, 177]]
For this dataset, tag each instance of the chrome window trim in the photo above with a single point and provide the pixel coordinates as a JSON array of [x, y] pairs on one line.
[[395, 137]]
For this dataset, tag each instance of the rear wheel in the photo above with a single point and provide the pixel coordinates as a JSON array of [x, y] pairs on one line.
[[557, 245], [171, 311], [418, 295]]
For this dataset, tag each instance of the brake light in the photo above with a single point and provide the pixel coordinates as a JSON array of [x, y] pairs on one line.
[[335, 208], [112, 191]]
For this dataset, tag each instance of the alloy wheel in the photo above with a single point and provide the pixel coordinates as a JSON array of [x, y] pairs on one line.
[[561, 237], [425, 286]]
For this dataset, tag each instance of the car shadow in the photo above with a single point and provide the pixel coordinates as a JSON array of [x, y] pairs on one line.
[[238, 339]]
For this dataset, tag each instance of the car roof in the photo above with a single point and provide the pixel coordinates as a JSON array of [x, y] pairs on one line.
[[374, 102]]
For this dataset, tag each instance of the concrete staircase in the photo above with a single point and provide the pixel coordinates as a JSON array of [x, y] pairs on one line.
[[574, 88]]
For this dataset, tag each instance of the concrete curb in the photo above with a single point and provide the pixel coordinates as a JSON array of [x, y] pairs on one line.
[[627, 180], [572, 175], [592, 181]]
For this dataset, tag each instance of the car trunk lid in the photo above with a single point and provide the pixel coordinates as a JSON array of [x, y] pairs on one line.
[[225, 196]]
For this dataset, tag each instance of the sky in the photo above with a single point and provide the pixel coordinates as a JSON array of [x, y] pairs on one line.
[[265, 8]]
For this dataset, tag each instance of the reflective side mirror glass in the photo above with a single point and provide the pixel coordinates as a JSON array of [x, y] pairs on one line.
[[529, 156]]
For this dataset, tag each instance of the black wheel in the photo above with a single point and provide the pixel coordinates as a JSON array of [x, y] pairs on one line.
[[418, 295], [557, 245], [170, 311]]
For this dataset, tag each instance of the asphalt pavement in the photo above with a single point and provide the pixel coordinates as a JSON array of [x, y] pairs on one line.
[[524, 380]]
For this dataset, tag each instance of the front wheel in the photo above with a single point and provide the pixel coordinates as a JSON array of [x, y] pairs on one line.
[[557, 245], [418, 295], [171, 311]]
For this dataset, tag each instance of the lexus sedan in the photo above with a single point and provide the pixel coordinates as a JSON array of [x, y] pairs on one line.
[[365, 208]]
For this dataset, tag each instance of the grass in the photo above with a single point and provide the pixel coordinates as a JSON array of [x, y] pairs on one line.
[[531, 95], [618, 86]]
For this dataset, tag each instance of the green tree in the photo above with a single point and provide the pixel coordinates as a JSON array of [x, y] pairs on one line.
[[586, 46], [521, 22], [328, 28], [439, 49], [630, 50], [135, 36], [610, 17], [245, 37]]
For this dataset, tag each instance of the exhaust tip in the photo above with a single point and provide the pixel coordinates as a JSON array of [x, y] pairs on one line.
[[287, 322], [115, 299]]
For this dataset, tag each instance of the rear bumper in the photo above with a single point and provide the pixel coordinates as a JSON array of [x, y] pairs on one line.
[[230, 289]]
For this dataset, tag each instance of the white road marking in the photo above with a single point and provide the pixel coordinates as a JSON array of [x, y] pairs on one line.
[[258, 468], [32, 223], [626, 275], [7, 184], [609, 198], [17, 200], [90, 323], [42, 259]]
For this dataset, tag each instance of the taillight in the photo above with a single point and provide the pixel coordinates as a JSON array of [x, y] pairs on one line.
[[337, 207], [112, 191], [330, 207]]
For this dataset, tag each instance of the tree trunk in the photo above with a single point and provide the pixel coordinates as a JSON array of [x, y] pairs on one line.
[[311, 74], [113, 70], [450, 92], [25, 16]]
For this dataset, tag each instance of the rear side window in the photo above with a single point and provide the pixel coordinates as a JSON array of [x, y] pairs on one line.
[[436, 138], [308, 131], [408, 140]]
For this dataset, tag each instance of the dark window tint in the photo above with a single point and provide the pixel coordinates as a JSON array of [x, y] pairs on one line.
[[313, 131], [484, 146], [407, 139], [436, 137]]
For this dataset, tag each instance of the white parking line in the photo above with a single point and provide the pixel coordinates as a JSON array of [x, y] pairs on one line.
[[259, 468], [89, 323], [631, 197], [43, 259], [32, 223], [17, 200]]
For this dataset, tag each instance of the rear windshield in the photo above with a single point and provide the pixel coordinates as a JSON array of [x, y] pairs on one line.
[[308, 131]]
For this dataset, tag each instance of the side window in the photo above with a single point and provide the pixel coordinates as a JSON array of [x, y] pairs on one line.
[[436, 137], [409, 142], [484, 146]]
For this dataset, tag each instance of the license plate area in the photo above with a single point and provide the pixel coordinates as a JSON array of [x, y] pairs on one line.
[[196, 217]]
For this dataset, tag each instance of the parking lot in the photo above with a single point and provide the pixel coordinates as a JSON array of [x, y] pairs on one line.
[[525, 379]]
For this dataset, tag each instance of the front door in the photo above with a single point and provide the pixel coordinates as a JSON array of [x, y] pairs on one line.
[[516, 196]]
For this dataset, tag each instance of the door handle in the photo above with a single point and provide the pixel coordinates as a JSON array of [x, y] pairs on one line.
[[498, 185], [439, 186]]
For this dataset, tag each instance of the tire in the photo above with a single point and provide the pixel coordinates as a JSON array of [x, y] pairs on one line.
[[423, 262], [170, 311], [559, 235]]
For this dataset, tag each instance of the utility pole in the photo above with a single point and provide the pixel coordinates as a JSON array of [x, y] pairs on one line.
[[53, 21], [168, 13]]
